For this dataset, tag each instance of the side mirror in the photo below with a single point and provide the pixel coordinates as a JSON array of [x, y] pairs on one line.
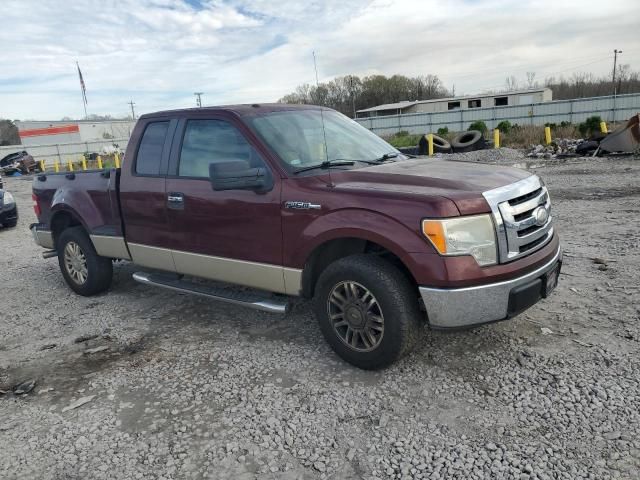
[[238, 175]]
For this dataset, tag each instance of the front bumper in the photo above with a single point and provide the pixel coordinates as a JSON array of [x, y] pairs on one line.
[[471, 306], [42, 237]]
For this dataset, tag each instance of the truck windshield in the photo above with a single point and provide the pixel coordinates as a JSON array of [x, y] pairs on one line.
[[297, 137]]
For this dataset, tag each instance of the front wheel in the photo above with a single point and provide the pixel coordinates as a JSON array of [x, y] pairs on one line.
[[368, 311], [86, 272]]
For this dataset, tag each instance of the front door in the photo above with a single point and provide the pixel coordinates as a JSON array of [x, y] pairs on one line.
[[232, 235]]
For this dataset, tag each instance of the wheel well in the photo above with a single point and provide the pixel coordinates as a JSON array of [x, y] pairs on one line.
[[333, 250], [60, 222]]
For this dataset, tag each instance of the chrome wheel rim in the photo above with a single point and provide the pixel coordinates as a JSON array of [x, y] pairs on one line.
[[356, 316], [75, 262]]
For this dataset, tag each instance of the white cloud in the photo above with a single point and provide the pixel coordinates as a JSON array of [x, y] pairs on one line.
[[159, 52]]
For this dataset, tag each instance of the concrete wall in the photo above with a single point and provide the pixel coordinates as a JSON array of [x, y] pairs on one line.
[[573, 111]]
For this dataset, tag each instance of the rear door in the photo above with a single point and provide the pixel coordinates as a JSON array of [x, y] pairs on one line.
[[143, 195], [232, 235]]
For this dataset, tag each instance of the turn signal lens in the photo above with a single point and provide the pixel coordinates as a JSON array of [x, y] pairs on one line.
[[434, 231]]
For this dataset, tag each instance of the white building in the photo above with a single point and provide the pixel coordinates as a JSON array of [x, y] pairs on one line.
[[486, 100], [72, 131]]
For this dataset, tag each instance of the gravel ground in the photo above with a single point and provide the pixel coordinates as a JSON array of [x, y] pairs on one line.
[[173, 386]]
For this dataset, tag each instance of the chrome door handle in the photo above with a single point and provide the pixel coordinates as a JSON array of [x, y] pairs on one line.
[[175, 200]]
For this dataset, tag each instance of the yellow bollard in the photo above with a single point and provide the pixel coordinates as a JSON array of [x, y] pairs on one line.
[[42, 166], [56, 166], [496, 138], [430, 141], [117, 159], [99, 162], [603, 127], [547, 135], [70, 166], [84, 163]]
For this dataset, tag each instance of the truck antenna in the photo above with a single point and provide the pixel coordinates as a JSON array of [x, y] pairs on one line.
[[324, 132]]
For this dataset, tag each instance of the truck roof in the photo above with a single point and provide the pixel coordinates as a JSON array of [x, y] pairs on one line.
[[240, 109]]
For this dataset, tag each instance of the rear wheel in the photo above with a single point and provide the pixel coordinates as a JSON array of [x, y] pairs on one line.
[[83, 269], [367, 310]]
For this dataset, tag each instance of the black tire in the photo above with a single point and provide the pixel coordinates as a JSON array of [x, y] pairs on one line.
[[99, 270], [10, 224], [396, 303], [468, 141], [440, 145]]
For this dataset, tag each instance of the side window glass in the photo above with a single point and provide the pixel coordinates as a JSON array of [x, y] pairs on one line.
[[213, 141], [150, 151]]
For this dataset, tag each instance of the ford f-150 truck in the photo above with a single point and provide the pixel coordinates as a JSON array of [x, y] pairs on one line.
[[302, 201]]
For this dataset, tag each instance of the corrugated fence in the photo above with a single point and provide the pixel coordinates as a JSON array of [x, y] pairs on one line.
[[610, 109]]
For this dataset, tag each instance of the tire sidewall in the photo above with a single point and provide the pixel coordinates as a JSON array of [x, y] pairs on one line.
[[393, 342], [97, 267]]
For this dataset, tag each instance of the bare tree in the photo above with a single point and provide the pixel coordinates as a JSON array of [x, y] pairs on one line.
[[511, 83], [531, 80]]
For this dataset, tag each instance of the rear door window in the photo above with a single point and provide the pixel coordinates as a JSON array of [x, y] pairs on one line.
[[151, 146]]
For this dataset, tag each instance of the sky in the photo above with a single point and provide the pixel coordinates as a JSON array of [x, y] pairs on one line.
[[159, 52]]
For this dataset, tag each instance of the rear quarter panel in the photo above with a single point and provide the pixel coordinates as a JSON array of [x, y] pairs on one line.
[[90, 196]]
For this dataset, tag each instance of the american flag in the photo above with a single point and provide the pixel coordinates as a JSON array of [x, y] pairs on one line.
[[82, 87]]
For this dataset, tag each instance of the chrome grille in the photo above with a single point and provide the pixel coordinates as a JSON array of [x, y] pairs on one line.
[[519, 231]]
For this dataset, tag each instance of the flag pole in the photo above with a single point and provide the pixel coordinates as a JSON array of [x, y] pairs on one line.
[[82, 91]]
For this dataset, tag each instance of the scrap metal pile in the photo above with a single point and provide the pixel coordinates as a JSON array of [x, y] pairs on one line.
[[624, 140]]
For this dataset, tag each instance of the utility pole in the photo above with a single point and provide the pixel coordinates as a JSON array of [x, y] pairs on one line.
[[615, 59], [133, 112], [613, 80], [198, 99], [353, 95]]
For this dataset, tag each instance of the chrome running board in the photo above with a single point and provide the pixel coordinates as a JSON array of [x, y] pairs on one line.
[[256, 301]]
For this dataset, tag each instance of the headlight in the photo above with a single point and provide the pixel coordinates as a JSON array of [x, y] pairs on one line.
[[8, 198], [473, 235]]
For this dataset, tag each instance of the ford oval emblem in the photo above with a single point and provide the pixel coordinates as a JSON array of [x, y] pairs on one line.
[[541, 214]]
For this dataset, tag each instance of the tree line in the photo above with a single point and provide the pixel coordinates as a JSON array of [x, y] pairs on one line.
[[350, 93]]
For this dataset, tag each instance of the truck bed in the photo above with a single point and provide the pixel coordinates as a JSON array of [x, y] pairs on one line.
[[91, 195]]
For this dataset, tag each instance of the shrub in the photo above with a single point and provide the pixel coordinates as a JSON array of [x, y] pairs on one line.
[[590, 126], [504, 126], [478, 125], [551, 125], [565, 124], [403, 139], [443, 131]]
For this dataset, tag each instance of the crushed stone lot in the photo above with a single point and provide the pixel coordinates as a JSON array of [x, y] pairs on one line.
[[147, 383]]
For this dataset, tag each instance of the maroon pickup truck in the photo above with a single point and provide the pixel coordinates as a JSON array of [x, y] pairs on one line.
[[302, 201]]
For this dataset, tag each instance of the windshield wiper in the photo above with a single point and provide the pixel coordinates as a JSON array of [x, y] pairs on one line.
[[325, 164], [386, 156]]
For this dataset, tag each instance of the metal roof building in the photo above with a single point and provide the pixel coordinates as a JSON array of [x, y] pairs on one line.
[[519, 97]]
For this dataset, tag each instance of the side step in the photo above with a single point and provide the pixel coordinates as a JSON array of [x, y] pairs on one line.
[[255, 300]]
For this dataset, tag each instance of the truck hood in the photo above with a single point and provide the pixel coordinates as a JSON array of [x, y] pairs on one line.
[[461, 182]]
